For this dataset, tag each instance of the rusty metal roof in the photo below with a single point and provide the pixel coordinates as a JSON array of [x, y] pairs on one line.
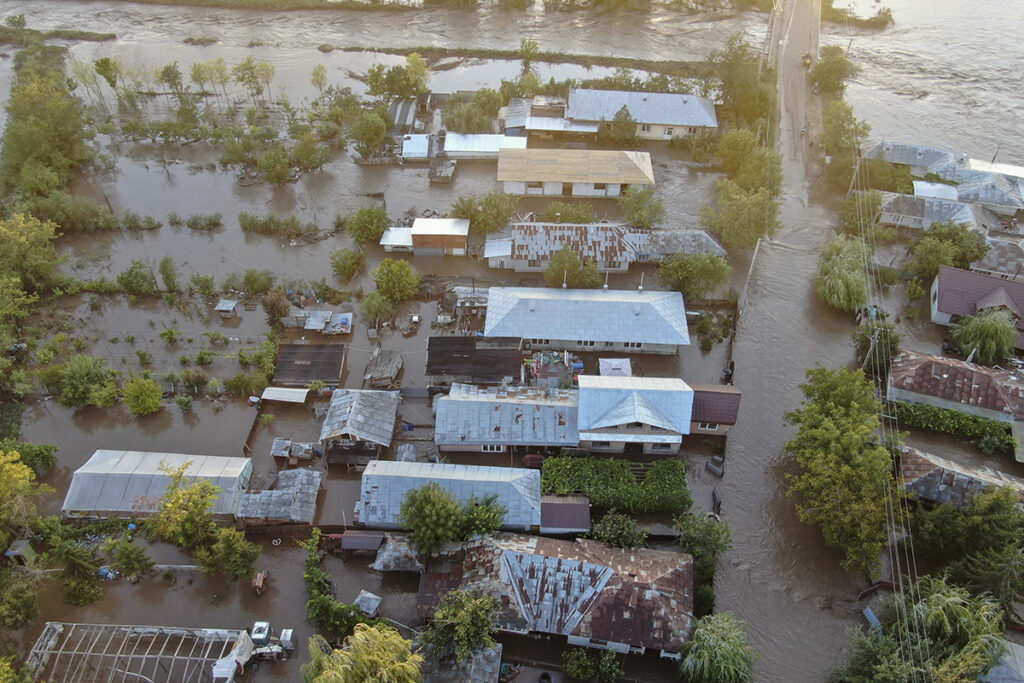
[[939, 480], [715, 403], [640, 597], [957, 381]]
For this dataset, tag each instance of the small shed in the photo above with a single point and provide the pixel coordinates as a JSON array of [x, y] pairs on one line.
[[440, 236], [285, 395], [21, 552], [397, 239], [340, 323], [403, 113], [225, 308], [367, 602], [384, 368], [292, 499], [355, 540], [416, 147]]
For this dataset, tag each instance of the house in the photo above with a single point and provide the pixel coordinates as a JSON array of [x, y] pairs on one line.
[[527, 247], [658, 116], [417, 147], [651, 412], [593, 594], [385, 484], [127, 484], [952, 384], [919, 213], [544, 116], [602, 320], [291, 499], [572, 172], [938, 480], [476, 360], [715, 408], [359, 421], [957, 293], [481, 146], [299, 364], [429, 237], [382, 371], [493, 419]]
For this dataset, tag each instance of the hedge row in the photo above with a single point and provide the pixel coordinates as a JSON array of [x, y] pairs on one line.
[[988, 435], [610, 483]]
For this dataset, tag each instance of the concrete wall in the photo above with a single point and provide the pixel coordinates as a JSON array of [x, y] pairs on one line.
[[469, 448], [911, 397], [603, 347], [938, 317], [621, 648], [695, 429]]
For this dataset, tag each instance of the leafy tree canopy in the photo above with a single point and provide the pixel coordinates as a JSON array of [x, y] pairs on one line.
[[565, 266], [992, 333], [719, 651], [462, 624], [695, 275], [372, 654], [841, 280], [396, 279], [641, 207]]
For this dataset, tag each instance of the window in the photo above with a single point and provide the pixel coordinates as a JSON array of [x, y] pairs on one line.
[[668, 132], [601, 444], [533, 263], [600, 186], [609, 345], [534, 185], [540, 341], [491, 448], [645, 128], [661, 446], [707, 426], [632, 345], [585, 343]]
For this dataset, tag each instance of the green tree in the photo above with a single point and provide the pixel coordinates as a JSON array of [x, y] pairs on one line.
[[417, 73], [128, 558], [377, 307], [138, 279], [842, 132], [735, 147], [859, 211], [254, 76], [277, 307], [15, 304], [229, 554], [475, 115], [695, 275], [741, 217], [432, 517], [945, 534], [169, 274], [29, 253], [833, 69], [309, 155], [528, 51], [992, 332], [185, 513], [487, 213], [275, 165], [18, 602], [482, 516], [80, 377], [347, 263], [143, 395], [844, 478], [369, 133], [748, 94], [396, 280], [705, 538], [964, 248], [368, 224], [319, 78], [621, 130], [998, 572], [578, 664], [876, 344], [719, 651], [641, 208], [566, 212], [79, 571], [372, 654], [618, 529], [462, 624], [565, 266], [841, 280], [39, 457]]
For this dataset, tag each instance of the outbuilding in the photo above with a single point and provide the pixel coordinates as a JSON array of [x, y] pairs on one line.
[[573, 172]]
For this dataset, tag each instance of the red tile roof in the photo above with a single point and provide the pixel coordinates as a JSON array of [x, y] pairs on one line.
[[954, 380]]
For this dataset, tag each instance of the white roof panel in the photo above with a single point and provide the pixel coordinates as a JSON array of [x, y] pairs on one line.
[[440, 226], [498, 247], [285, 395], [671, 109], [462, 143], [940, 190], [396, 237], [416, 146]]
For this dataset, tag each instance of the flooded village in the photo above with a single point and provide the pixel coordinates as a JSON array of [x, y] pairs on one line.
[[511, 341]]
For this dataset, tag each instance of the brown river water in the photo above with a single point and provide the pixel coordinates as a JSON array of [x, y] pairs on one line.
[[945, 74]]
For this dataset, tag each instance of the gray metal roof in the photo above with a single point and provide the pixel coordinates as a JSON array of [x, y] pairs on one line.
[[609, 401], [919, 212], [363, 415], [657, 244], [120, 483], [670, 109], [520, 416], [292, 499], [919, 156], [385, 484], [225, 305], [601, 315]]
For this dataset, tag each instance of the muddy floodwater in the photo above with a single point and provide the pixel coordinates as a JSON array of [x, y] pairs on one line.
[[946, 74]]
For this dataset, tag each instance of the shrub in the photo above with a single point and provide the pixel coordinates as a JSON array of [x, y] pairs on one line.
[[396, 280], [611, 484], [347, 263], [641, 207], [987, 435], [138, 279], [204, 222], [486, 213], [618, 529], [377, 307], [256, 282], [246, 384], [204, 284], [143, 396], [289, 228], [368, 224], [579, 664]]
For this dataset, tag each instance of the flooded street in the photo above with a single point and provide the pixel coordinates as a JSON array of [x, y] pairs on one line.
[[934, 78]]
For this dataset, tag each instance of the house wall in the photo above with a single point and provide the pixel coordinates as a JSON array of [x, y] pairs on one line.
[[600, 346], [439, 242], [938, 317], [392, 248], [620, 447], [590, 190], [621, 648], [552, 189], [516, 187], [656, 131], [695, 428], [912, 397], [471, 448]]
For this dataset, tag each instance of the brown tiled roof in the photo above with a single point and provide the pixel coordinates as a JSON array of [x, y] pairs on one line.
[[584, 588], [965, 292], [954, 380], [715, 403], [939, 480]]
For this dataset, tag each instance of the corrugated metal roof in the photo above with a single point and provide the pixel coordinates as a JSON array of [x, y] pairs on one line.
[[670, 109], [225, 305], [923, 188], [610, 401], [506, 416], [292, 499], [715, 403], [564, 514], [119, 483], [403, 112], [917, 212], [575, 166], [285, 395], [396, 237], [363, 415], [497, 247], [416, 146], [556, 124], [649, 317], [385, 484], [441, 226], [481, 143]]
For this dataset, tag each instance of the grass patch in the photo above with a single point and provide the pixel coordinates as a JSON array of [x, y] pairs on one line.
[[10, 35]]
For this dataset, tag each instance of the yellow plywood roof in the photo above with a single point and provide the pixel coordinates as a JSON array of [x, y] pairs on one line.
[[575, 166]]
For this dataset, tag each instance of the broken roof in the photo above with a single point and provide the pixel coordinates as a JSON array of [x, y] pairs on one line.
[[610, 401], [362, 415], [670, 109], [959, 382], [715, 403], [965, 292], [575, 166], [469, 359], [608, 315], [939, 480], [583, 588], [385, 484], [291, 499], [512, 416]]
